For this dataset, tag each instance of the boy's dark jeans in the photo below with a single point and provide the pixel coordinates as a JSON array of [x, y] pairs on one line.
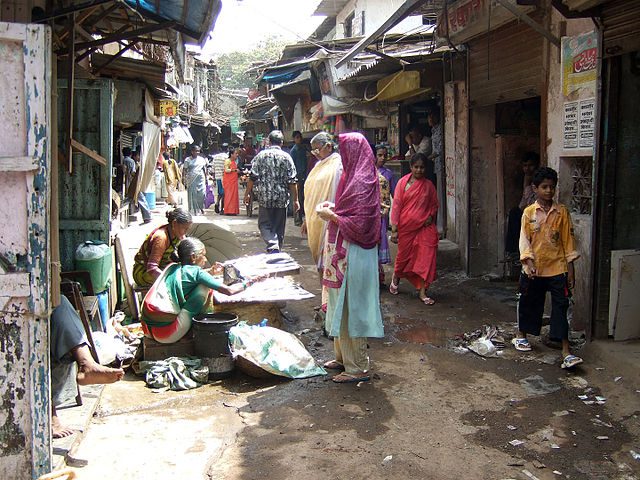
[[531, 305]]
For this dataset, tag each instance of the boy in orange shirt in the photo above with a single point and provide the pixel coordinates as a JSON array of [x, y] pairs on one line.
[[547, 253]]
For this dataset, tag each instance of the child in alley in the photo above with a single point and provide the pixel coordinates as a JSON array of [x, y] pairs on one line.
[[547, 253]]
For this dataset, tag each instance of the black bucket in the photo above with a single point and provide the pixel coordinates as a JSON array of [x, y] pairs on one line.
[[211, 342]]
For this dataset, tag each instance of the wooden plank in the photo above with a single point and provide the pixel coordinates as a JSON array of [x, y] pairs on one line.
[[71, 79], [15, 285], [18, 164], [37, 74], [89, 153]]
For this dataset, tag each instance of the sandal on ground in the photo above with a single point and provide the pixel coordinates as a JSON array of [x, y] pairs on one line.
[[428, 301], [521, 344], [333, 365], [393, 287], [570, 361], [349, 378]]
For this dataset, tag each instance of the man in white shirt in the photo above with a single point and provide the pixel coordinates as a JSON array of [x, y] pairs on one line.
[[218, 172], [418, 142]]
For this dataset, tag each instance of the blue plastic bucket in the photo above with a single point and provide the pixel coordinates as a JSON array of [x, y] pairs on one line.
[[103, 308], [151, 199]]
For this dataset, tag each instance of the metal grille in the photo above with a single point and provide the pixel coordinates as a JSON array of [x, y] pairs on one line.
[[582, 192]]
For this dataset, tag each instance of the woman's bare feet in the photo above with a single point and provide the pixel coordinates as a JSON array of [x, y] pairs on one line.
[[57, 429], [95, 374]]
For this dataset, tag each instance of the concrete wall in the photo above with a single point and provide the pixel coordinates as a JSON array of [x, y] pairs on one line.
[[456, 139], [562, 160], [376, 12]]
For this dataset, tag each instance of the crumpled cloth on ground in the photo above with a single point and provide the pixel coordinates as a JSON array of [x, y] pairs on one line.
[[174, 373]]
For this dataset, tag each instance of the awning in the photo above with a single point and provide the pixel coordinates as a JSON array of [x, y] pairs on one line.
[[178, 135], [126, 68], [290, 71], [193, 18]]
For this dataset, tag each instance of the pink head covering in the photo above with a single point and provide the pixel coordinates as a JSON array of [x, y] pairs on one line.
[[358, 194]]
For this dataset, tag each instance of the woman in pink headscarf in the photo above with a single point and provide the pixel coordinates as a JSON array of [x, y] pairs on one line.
[[351, 260]]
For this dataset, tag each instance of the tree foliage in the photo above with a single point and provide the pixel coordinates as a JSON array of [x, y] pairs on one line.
[[233, 66]]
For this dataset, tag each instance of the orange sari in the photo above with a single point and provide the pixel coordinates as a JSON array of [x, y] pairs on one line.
[[230, 186]]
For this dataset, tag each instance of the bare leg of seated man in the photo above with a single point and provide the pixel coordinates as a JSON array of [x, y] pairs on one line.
[[71, 362]]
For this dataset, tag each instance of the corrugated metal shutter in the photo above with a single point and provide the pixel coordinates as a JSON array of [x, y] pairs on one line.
[[508, 67], [621, 27]]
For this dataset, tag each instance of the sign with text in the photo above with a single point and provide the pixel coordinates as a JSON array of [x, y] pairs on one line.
[[579, 124], [587, 123], [579, 63], [234, 124], [168, 108], [571, 125], [465, 19]]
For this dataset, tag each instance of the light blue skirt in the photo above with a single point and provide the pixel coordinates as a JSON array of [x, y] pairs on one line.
[[360, 293]]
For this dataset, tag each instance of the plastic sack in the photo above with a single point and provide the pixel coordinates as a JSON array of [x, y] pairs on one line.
[[92, 250], [108, 347], [273, 350]]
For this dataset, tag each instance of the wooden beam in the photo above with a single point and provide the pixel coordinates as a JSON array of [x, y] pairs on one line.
[[529, 21], [396, 17], [70, 87], [88, 52], [113, 58], [18, 164], [79, 21], [88, 152], [105, 13], [127, 35]]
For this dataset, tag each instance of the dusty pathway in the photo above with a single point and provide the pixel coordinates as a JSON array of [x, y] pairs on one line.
[[430, 412]]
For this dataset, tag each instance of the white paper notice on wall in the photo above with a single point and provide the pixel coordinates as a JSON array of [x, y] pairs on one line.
[[579, 124], [587, 123], [571, 125]]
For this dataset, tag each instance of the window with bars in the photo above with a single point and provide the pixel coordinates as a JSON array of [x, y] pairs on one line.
[[582, 185]]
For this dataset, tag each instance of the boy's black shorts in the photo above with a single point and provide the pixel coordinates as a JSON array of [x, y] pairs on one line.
[[531, 305]]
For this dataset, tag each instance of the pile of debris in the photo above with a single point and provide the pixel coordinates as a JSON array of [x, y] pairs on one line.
[[487, 341]]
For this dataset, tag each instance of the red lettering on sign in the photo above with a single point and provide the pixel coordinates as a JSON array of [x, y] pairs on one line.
[[586, 60]]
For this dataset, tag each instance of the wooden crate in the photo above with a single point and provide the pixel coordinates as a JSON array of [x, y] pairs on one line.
[[152, 350]]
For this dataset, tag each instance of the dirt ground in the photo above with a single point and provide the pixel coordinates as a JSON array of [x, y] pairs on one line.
[[428, 413]]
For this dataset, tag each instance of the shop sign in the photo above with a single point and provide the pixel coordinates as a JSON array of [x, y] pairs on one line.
[[466, 19], [234, 123], [579, 63], [168, 108], [259, 137]]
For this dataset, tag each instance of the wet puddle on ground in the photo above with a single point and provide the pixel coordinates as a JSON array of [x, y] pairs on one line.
[[410, 330]]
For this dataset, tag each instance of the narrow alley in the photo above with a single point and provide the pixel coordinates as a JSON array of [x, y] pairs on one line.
[[430, 412]]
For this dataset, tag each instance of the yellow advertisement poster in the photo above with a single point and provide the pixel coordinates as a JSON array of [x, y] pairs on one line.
[[579, 63], [168, 108]]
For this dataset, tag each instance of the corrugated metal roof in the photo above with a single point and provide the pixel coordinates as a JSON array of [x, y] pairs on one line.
[[330, 7], [126, 68]]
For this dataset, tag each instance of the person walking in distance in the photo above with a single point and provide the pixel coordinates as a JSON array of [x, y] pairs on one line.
[[273, 175]]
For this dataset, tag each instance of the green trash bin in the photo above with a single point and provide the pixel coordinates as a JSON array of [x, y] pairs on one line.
[[95, 257]]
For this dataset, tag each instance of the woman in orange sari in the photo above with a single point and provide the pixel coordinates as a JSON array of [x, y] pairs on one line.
[[413, 228], [230, 184]]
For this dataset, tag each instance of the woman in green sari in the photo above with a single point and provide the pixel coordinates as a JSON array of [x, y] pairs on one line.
[[183, 291]]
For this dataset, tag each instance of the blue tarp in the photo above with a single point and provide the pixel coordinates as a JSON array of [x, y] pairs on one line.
[[199, 20], [285, 75]]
